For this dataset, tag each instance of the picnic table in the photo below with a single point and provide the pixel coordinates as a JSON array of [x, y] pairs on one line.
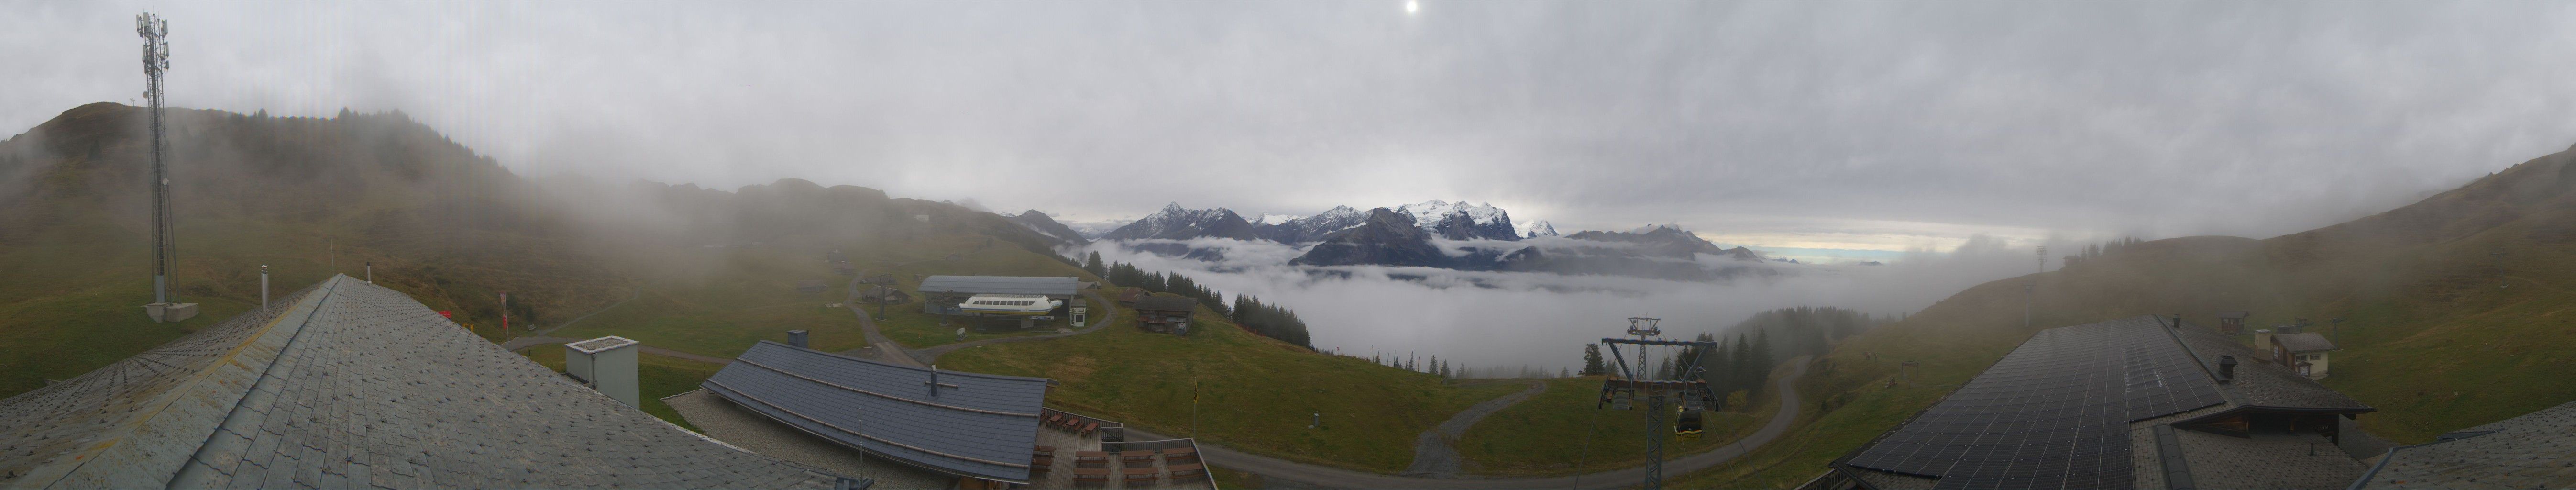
[[1176, 454], [1190, 469], [1091, 457], [1144, 474], [1091, 474], [1137, 456], [1048, 451]]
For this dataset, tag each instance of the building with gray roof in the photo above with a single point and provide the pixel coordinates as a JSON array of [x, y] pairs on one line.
[[2139, 402], [1051, 287], [2535, 450], [353, 385], [965, 424]]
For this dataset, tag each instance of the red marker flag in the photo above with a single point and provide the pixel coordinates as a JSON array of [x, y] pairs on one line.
[[446, 314]]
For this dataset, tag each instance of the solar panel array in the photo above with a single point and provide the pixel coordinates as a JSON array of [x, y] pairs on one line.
[[2054, 413]]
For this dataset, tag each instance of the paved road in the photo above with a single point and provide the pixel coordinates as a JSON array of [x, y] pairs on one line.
[[887, 350], [1632, 477], [525, 342], [1433, 457]]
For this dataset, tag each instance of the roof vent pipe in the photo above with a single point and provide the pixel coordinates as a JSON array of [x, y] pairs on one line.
[[934, 380], [2226, 368]]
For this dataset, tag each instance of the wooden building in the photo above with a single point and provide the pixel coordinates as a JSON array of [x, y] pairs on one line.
[[2232, 322], [1166, 314], [2304, 353]]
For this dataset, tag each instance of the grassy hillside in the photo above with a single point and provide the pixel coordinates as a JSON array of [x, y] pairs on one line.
[[1254, 393], [2455, 310], [1579, 438], [656, 377]]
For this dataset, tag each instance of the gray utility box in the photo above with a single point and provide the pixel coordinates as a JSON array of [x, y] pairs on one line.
[[170, 312], [606, 364]]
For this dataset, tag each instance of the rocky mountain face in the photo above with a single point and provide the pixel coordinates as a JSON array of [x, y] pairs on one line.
[[1462, 221], [1044, 225], [1311, 229], [1666, 241], [1537, 229], [1177, 223], [1387, 237]]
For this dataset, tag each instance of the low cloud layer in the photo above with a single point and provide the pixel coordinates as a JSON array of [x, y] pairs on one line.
[[2149, 118], [1506, 320]]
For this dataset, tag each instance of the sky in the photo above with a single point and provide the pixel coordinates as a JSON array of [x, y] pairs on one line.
[[1809, 126]]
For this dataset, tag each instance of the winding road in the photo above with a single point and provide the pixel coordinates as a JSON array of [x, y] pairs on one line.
[[1433, 457], [1623, 478]]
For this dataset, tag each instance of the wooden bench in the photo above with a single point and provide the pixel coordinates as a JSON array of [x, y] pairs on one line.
[[1091, 475], [1141, 475], [1090, 458], [1181, 455], [1191, 469], [1145, 456]]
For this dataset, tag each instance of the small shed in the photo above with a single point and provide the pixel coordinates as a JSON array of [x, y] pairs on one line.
[[812, 286], [1166, 314], [2303, 352], [2232, 322]]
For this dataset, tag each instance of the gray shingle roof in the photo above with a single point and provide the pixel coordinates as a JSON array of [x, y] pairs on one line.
[[2302, 343], [2234, 314], [352, 385], [1166, 303], [1051, 286], [2535, 450], [2261, 383], [983, 426]]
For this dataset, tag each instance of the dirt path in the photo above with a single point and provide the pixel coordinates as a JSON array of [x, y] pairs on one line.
[[1624, 478], [1433, 457]]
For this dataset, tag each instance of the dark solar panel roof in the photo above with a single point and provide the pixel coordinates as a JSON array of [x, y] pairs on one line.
[[981, 425], [1050, 286], [2054, 413]]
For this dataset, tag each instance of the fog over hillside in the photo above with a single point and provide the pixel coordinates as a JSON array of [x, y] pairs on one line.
[[1508, 319]]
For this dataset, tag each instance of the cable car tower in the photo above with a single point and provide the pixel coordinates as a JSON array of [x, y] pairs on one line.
[[156, 58], [1691, 391]]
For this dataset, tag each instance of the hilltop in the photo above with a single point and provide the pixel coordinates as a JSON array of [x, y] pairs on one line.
[[2453, 310]]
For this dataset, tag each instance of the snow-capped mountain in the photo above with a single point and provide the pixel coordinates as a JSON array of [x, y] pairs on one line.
[[1177, 223], [1044, 225], [1383, 237], [1536, 229], [1274, 218], [1668, 241], [1481, 220], [1311, 229]]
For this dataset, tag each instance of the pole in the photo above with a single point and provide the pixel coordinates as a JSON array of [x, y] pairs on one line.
[[263, 288], [371, 272], [156, 58], [505, 313]]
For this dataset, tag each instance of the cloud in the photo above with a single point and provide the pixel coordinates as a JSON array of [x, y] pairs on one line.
[[2156, 119], [1509, 319]]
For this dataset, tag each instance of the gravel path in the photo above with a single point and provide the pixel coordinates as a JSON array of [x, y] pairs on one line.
[[1433, 457]]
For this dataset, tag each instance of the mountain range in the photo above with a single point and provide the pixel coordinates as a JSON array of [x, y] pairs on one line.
[[1414, 235]]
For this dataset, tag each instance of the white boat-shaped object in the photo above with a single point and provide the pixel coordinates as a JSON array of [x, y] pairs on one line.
[[1009, 304]]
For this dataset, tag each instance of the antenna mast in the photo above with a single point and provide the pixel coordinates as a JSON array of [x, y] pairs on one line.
[[156, 58]]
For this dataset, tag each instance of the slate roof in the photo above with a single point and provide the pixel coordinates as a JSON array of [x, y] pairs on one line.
[[2302, 343], [1060, 287], [2536, 450], [1996, 418], [978, 425], [2234, 314], [352, 385], [1166, 303]]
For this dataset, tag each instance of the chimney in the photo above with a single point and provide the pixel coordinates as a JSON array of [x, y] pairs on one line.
[[2226, 368], [606, 364], [934, 380], [796, 338]]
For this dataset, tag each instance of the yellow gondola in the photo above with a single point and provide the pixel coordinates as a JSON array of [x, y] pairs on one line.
[[1688, 425]]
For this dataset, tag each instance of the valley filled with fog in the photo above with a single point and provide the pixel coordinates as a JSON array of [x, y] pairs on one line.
[[1486, 320]]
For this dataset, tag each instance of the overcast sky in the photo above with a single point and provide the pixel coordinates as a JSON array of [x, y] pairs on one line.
[[1812, 124]]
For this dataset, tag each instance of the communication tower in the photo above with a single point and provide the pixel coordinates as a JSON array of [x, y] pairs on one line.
[[156, 57]]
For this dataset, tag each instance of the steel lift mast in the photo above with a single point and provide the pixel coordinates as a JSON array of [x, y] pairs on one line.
[[156, 58], [1693, 393]]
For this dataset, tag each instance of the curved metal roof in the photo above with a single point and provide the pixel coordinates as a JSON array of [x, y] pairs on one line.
[[969, 424]]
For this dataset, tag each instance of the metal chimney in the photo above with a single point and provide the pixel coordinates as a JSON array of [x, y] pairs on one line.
[[606, 364], [796, 338], [2226, 369]]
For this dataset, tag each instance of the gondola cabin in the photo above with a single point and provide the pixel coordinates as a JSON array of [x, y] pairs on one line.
[[1009, 304], [1688, 425]]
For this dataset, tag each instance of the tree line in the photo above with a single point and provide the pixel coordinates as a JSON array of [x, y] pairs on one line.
[[1260, 318]]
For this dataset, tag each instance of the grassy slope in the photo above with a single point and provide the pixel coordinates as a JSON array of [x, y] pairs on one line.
[[1255, 393], [2430, 337], [656, 377], [1584, 439], [906, 324]]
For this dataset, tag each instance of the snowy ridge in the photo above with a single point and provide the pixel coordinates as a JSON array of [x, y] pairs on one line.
[[1536, 229]]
